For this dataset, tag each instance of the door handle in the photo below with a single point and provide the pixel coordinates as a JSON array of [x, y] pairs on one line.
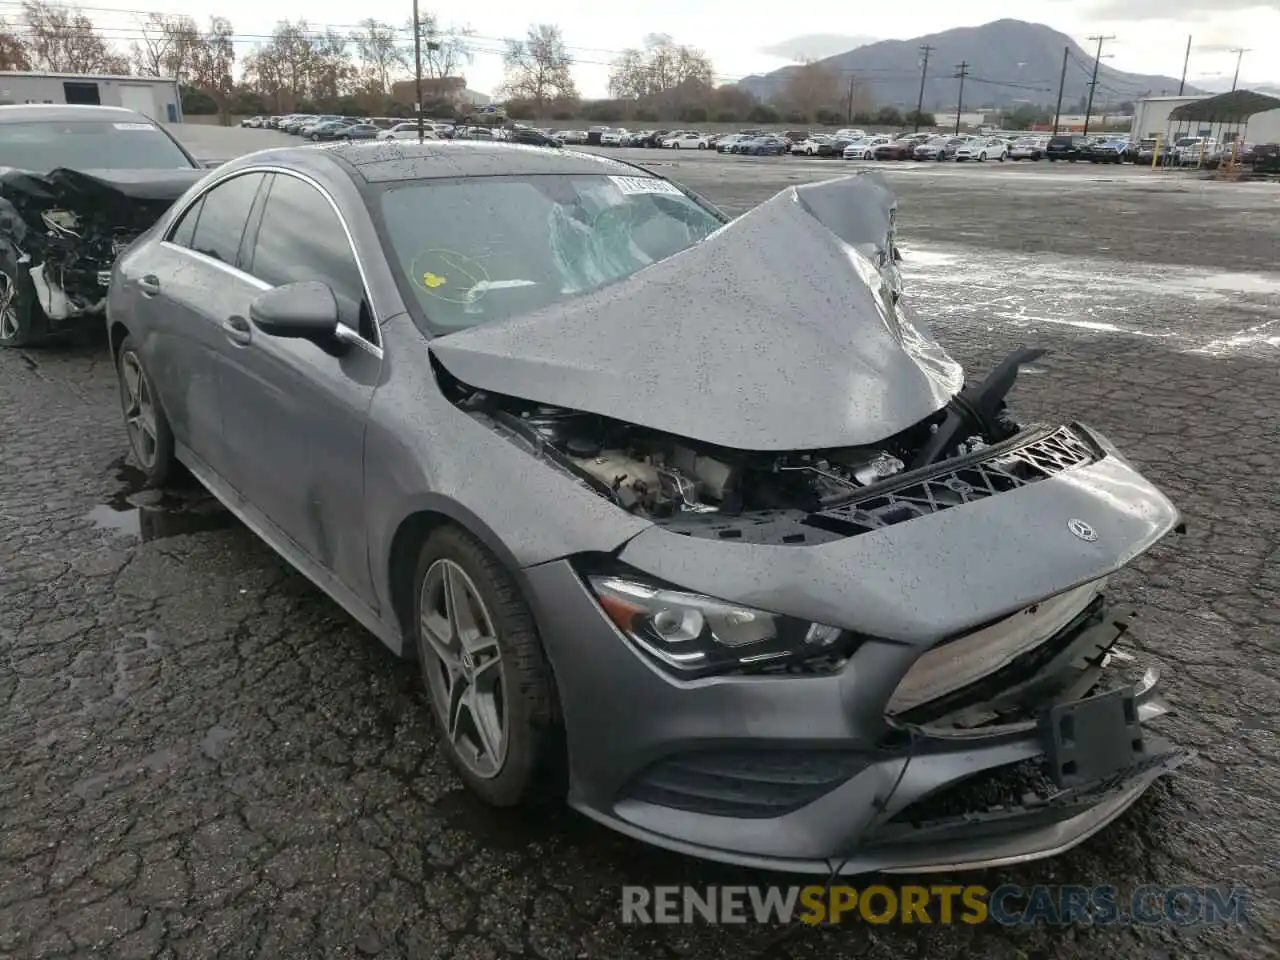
[[149, 285], [237, 330]]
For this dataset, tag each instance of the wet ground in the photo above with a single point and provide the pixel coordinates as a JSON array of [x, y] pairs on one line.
[[203, 756]]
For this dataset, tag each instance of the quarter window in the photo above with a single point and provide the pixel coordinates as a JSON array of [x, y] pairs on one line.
[[185, 231], [301, 238], [223, 215]]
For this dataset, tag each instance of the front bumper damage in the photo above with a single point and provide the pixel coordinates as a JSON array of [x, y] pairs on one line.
[[805, 774], [988, 713], [66, 228]]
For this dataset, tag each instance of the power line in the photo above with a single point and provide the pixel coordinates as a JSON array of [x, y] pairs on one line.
[[924, 71], [1093, 82], [1062, 82], [962, 71]]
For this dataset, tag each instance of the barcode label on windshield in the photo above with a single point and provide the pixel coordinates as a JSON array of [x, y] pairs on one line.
[[644, 185], [134, 126]]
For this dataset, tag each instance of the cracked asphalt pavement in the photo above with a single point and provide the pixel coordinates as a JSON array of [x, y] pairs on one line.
[[202, 756]]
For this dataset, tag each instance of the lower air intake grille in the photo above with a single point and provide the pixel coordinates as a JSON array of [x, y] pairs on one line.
[[745, 783]]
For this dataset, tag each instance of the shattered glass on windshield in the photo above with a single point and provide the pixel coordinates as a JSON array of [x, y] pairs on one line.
[[485, 249]]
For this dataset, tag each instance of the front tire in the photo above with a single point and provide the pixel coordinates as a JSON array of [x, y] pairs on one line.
[[22, 322], [485, 671], [150, 436]]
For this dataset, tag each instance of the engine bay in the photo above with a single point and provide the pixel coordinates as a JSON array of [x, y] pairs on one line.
[[802, 496]]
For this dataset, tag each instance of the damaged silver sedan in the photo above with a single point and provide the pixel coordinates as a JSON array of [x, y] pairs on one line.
[[686, 518], [77, 185]]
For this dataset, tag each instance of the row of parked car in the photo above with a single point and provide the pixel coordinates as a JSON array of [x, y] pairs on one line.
[[320, 127]]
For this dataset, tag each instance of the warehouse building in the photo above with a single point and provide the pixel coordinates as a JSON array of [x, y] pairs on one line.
[[156, 97], [1151, 118]]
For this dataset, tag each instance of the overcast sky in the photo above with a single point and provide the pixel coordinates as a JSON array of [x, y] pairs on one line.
[[1151, 35]]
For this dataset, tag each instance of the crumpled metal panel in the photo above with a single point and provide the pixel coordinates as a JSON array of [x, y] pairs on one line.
[[780, 331]]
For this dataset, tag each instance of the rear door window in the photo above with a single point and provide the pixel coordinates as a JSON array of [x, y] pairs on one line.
[[224, 211]]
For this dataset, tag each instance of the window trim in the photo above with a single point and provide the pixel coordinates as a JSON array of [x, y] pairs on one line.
[[344, 332]]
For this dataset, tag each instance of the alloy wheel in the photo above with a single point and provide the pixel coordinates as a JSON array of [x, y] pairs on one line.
[[464, 668], [139, 410], [9, 322]]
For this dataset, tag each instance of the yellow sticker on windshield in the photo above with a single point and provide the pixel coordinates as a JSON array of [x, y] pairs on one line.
[[433, 280]]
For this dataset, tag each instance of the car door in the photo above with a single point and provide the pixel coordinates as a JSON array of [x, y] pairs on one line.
[[186, 285], [293, 410]]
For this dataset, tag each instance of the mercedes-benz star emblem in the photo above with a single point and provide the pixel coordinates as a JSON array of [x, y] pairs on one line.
[[1082, 530]]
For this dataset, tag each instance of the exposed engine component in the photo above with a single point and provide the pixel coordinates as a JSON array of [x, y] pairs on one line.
[[658, 475], [72, 226]]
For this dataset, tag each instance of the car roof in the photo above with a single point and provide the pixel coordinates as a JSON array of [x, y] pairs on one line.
[[29, 112], [386, 161]]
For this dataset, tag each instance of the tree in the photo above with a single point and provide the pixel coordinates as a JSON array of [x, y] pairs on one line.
[[298, 66], [168, 46], [444, 52], [380, 57], [811, 87], [889, 117], [64, 40], [925, 118], [13, 49], [661, 67], [538, 67], [213, 64]]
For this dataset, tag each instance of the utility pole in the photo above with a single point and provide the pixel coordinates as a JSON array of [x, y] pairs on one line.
[[417, 68], [1185, 60], [1093, 82], [1062, 82], [962, 71], [924, 71], [853, 79], [1239, 52]]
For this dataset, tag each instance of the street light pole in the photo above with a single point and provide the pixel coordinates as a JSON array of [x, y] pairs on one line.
[[417, 69], [1239, 52], [1186, 58]]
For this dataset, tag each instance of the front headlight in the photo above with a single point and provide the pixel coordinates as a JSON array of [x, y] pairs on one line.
[[694, 635]]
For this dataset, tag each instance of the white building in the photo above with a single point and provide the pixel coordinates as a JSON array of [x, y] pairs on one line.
[[156, 97], [1151, 119]]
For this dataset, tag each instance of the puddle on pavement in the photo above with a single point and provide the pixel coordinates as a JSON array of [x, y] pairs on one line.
[[143, 513]]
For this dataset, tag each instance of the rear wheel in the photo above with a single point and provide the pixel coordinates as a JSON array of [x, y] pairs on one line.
[[485, 670]]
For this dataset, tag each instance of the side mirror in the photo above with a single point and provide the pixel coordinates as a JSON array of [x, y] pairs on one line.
[[306, 310]]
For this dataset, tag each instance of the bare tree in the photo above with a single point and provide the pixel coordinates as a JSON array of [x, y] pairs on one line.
[[13, 48], [813, 86], [64, 40], [331, 70], [660, 67], [168, 46], [378, 53], [444, 52], [538, 67], [213, 64]]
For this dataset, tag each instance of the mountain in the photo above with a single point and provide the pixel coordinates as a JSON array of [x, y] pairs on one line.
[[1010, 61]]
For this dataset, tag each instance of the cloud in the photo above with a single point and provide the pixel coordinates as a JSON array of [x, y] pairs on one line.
[[1186, 10], [815, 46]]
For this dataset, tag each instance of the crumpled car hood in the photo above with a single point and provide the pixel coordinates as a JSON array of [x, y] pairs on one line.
[[780, 331], [110, 195]]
